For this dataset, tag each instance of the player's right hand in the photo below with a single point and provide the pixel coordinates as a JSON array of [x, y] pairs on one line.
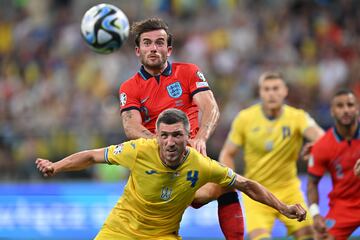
[[320, 227], [199, 145], [306, 150], [295, 211], [45, 167]]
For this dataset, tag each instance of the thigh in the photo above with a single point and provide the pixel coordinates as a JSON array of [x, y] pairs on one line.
[[258, 216], [342, 220], [292, 195]]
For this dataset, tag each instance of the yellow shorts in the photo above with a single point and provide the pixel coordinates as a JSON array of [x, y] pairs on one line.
[[108, 234], [258, 215]]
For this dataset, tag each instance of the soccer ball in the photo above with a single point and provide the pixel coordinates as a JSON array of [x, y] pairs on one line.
[[104, 28]]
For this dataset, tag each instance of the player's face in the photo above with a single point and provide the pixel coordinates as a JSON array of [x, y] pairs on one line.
[[153, 50], [345, 109], [272, 93], [172, 139]]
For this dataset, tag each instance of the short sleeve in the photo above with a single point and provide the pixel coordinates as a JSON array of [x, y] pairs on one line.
[[305, 121], [123, 154], [197, 80], [128, 96], [221, 174], [317, 161], [236, 133]]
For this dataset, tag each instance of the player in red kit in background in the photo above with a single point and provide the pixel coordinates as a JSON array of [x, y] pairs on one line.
[[160, 85], [337, 152]]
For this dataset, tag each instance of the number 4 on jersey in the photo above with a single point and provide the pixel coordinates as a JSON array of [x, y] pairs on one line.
[[192, 178]]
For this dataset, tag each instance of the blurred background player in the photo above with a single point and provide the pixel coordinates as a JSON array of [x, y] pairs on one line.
[[337, 153], [160, 85], [271, 136], [153, 201]]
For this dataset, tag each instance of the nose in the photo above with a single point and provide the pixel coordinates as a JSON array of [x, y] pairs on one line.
[[170, 141], [153, 47]]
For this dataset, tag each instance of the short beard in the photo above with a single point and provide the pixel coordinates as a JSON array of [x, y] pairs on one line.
[[156, 67]]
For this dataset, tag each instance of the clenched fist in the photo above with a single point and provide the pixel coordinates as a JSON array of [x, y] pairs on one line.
[[45, 167], [295, 211]]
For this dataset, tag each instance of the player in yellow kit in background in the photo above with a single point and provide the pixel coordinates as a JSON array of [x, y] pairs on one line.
[[271, 136], [165, 174]]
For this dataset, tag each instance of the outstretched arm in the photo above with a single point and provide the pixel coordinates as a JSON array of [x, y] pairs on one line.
[[260, 194], [133, 127], [209, 118], [74, 162]]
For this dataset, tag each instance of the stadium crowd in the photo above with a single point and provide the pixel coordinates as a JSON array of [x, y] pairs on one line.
[[58, 97]]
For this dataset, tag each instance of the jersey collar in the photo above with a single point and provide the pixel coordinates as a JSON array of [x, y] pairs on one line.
[[339, 138], [145, 75]]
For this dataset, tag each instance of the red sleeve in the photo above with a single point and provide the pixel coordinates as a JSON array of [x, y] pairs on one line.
[[197, 80], [129, 96], [317, 162]]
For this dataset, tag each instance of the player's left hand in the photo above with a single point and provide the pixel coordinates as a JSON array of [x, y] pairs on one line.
[[295, 211], [306, 150], [199, 144], [357, 168]]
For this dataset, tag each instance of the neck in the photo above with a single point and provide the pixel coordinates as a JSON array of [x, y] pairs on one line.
[[156, 71], [272, 113], [179, 162], [347, 132]]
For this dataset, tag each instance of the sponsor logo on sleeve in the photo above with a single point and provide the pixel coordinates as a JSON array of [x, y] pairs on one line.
[[202, 84], [201, 76], [230, 172], [118, 149], [123, 99], [311, 161]]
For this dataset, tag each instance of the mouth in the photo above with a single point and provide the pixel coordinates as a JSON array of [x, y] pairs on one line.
[[153, 56]]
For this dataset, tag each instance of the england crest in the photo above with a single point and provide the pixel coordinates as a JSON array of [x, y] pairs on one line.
[[174, 90]]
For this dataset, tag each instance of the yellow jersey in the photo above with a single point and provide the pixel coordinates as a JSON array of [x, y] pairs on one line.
[[156, 196], [271, 147]]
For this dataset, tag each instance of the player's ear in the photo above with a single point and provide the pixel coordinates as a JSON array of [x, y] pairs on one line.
[[170, 48], [137, 51]]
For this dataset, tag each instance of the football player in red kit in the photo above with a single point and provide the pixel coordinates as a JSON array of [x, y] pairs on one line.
[[337, 152], [160, 85]]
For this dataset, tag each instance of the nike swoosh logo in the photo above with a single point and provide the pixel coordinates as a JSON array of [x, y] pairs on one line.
[[144, 100], [150, 172]]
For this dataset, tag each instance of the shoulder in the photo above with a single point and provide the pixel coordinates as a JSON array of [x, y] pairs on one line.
[[141, 143], [131, 81], [323, 143], [185, 67], [249, 112], [294, 111]]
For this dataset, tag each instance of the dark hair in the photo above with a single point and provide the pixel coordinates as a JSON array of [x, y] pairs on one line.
[[343, 91], [149, 25], [171, 116]]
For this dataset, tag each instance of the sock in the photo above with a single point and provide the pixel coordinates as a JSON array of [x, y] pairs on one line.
[[230, 216]]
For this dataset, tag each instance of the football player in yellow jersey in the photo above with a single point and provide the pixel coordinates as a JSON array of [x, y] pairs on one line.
[[165, 174], [271, 136]]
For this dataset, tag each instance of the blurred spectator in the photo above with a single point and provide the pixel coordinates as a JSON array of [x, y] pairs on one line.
[[58, 97]]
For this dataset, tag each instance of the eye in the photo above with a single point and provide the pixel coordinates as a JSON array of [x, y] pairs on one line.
[[147, 43], [160, 43]]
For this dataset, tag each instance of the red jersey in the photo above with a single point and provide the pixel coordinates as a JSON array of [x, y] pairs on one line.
[[336, 155], [173, 88]]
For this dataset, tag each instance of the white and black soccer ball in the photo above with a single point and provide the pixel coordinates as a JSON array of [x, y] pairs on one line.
[[104, 28]]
